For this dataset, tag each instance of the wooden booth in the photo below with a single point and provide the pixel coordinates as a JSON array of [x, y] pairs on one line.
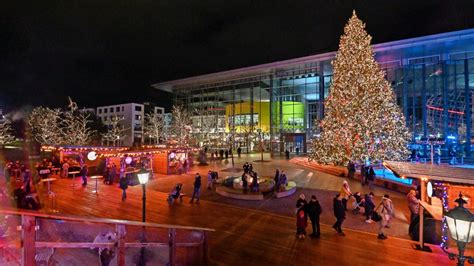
[[439, 186], [75, 156], [159, 160]]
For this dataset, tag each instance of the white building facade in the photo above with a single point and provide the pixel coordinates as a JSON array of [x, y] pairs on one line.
[[133, 116]]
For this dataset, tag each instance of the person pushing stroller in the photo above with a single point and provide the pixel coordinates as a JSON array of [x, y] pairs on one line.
[[176, 193]]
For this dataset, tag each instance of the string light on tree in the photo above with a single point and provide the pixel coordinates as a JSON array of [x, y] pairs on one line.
[[362, 119]]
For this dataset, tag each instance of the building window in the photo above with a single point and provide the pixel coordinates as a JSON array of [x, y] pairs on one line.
[[138, 117], [122, 108], [99, 111], [138, 108], [117, 109], [105, 110], [105, 118], [159, 111], [111, 109]]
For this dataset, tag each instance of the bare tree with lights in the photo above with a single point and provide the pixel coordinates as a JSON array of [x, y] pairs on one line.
[[181, 125], [206, 126], [362, 119], [154, 126], [75, 126], [6, 136], [44, 125], [115, 130]]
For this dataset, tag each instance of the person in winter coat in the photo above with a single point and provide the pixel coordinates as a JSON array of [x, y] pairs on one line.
[[363, 171], [369, 207], [351, 170], [371, 178], [277, 179], [388, 211], [345, 193], [245, 183], [413, 204], [339, 213], [313, 209], [197, 188], [301, 203], [124, 185], [385, 209], [210, 181], [301, 224], [84, 172]]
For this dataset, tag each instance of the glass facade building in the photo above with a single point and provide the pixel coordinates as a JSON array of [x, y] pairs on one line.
[[432, 76]]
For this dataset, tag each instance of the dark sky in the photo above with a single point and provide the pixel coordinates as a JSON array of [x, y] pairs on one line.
[[105, 52]]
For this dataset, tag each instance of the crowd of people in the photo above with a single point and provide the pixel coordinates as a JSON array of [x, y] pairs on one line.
[[381, 213]]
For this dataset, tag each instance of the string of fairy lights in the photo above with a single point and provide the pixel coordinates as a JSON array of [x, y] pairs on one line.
[[443, 195]]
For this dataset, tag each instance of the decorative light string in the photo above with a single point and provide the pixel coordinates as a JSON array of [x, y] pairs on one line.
[[443, 189]]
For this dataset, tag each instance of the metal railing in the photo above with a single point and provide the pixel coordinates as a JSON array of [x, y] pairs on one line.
[[36, 236]]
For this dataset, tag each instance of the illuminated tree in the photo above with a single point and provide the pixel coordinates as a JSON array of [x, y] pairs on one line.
[[75, 126], [362, 119], [154, 126], [6, 136], [181, 125], [44, 125], [115, 130]]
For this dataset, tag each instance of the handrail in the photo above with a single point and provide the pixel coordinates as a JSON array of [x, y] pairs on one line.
[[29, 244], [100, 220]]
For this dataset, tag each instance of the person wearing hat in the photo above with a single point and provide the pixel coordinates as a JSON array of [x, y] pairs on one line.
[[345, 193]]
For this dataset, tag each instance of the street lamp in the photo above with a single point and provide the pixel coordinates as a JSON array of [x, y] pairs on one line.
[[461, 227], [143, 177]]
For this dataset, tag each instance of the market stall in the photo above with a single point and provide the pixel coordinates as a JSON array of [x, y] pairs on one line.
[[439, 186]]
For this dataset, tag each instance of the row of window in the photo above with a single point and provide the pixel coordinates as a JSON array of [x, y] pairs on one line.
[[106, 110]]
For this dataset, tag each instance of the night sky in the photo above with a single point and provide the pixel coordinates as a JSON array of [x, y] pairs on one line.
[[106, 52]]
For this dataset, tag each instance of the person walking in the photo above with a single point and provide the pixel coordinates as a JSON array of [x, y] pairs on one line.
[[339, 213], [385, 209], [226, 154], [112, 173], [345, 193], [287, 154], [84, 172], [350, 170], [245, 183], [65, 172], [301, 224], [371, 178], [209, 179], [277, 180], [363, 171], [313, 209], [124, 185], [388, 211], [239, 151], [221, 153], [197, 188], [369, 207], [255, 187], [413, 204]]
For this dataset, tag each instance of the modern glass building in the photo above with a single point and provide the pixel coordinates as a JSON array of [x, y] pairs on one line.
[[433, 77]]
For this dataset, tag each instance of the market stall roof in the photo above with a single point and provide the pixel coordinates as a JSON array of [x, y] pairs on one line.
[[444, 173], [82, 148]]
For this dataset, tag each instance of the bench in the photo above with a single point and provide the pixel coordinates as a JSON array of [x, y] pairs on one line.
[[288, 190], [238, 194]]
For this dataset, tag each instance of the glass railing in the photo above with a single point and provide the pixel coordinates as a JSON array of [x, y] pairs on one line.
[[31, 238]]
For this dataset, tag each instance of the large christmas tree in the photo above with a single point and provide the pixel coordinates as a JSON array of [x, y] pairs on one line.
[[362, 119]]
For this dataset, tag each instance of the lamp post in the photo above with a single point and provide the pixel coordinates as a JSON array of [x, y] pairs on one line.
[[143, 177], [461, 228]]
